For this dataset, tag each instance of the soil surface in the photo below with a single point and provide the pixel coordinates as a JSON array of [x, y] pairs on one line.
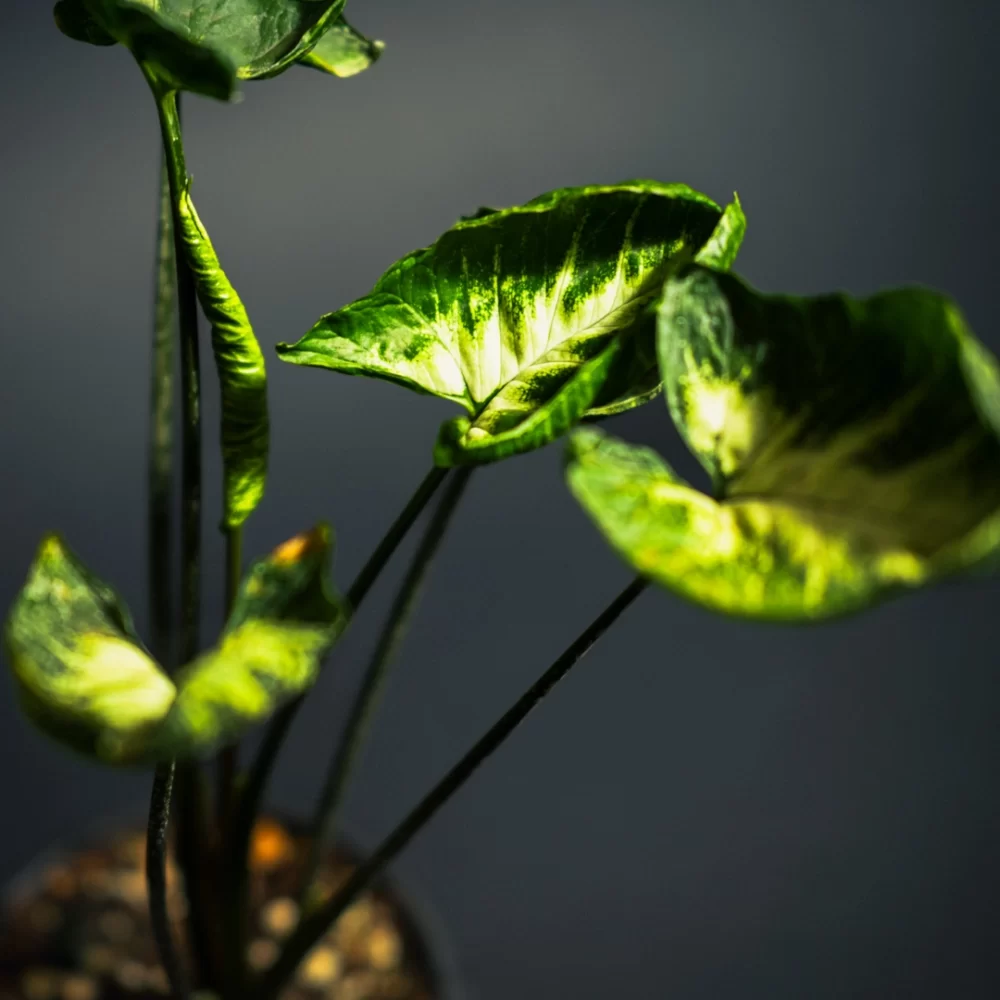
[[79, 929]]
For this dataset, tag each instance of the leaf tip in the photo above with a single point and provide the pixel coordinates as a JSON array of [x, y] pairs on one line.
[[308, 543]]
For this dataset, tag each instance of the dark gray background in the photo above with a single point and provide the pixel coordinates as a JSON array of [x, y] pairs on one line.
[[707, 808]]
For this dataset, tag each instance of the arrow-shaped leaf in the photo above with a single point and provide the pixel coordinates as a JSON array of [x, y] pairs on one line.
[[855, 448], [522, 315]]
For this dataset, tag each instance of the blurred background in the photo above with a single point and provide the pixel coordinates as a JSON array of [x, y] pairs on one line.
[[706, 808]]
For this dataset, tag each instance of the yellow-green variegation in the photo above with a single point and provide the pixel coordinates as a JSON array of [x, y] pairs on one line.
[[531, 318], [245, 423], [86, 679], [854, 448]]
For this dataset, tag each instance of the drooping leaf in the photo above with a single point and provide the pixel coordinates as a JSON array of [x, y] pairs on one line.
[[343, 51], [75, 21], [85, 678], [284, 621], [81, 671], [854, 448], [240, 366], [520, 315], [206, 45]]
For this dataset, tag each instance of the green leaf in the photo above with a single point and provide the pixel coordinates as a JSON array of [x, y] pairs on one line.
[[284, 622], [241, 370], [520, 315], [206, 45], [85, 678], [82, 673], [854, 448], [75, 21], [343, 51]]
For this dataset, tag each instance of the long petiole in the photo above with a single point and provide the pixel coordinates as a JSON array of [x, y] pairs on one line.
[[194, 832], [227, 762], [156, 880], [315, 925], [160, 479], [251, 793], [277, 731], [160, 470], [335, 784]]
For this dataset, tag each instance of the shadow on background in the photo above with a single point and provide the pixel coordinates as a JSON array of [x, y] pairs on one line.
[[707, 808]]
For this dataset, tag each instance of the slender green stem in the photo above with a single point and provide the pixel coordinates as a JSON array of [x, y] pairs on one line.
[[161, 431], [228, 757], [251, 794], [372, 569], [194, 836], [156, 880], [338, 775], [277, 731], [314, 926]]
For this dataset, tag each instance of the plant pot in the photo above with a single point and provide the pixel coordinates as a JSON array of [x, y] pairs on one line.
[[75, 926]]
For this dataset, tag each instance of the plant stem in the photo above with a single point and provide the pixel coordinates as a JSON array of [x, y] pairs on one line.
[[156, 879], [277, 731], [372, 569], [194, 835], [160, 472], [251, 793], [335, 784], [228, 757], [314, 926]]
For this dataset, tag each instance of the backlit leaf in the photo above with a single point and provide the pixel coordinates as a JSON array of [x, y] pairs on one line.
[[521, 315], [82, 673], [854, 448], [343, 51], [85, 678], [284, 621]]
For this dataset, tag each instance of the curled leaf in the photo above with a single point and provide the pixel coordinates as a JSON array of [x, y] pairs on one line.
[[284, 621], [343, 51], [81, 671], [854, 448], [520, 314], [240, 366], [75, 21], [85, 678], [207, 47]]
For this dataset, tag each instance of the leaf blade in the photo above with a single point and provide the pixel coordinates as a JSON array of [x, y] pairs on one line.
[[245, 425], [854, 448], [284, 621], [342, 51], [80, 668], [506, 307]]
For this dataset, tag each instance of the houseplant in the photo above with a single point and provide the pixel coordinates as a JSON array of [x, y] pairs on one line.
[[484, 224]]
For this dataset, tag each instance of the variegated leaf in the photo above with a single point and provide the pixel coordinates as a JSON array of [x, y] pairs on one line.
[[85, 678], [81, 671], [284, 621], [343, 51], [245, 424], [522, 315], [854, 447]]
